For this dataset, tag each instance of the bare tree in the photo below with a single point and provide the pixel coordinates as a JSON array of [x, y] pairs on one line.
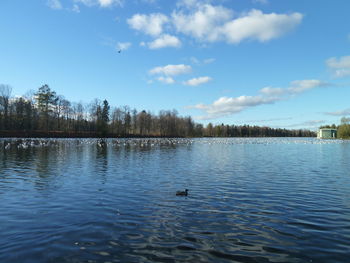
[[5, 94]]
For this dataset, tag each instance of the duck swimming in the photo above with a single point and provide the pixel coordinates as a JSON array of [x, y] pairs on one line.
[[182, 193]]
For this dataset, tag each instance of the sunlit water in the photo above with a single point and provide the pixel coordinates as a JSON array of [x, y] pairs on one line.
[[250, 200]]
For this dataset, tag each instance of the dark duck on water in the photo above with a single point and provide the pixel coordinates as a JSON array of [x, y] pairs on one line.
[[182, 193]]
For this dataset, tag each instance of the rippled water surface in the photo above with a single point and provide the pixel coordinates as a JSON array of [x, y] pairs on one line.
[[250, 200]]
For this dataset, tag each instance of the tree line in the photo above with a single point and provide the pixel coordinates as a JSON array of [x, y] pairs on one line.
[[45, 113]]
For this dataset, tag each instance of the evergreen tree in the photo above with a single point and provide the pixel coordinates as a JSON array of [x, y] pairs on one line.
[[45, 99], [104, 118]]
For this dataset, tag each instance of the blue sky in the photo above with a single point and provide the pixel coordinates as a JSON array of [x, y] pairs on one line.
[[258, 62]]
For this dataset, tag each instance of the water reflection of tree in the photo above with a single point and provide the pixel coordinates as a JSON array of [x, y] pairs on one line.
[[101, 166], [4, 157], [14, 158], [42, 180], [30, 164], [46, 167]]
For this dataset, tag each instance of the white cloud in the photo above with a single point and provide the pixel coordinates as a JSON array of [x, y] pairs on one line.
[[342, 62], [273, 91], [299, 86], [54, 4], [306, 124], [295, 87], [210, 23], [197, 81], [166, 80], [268, 120], [339, 67], [203, 24], [171, 70], [165, 41], [313, 122], [149, 24], [101, 3], [259, 26], [123, 45], [106, 3], [345, 112], [226, 106]]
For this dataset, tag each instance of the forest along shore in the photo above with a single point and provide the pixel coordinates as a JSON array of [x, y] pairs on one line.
[[45, 114]]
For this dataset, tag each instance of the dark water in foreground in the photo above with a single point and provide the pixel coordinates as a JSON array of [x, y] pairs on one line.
[[250, 200]]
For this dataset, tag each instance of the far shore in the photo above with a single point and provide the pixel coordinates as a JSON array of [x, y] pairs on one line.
[[60, 134]]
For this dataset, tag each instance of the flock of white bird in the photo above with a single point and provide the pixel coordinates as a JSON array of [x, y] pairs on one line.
[[8, 144], [14, 143], [24, 144]]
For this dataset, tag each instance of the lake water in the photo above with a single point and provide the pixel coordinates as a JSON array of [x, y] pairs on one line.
[[250, 200]]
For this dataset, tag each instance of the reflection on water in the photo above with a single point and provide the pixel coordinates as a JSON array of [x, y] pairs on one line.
[[250, 200]]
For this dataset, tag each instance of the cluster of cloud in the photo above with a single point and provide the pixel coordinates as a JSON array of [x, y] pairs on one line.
[[163, 41], [166, 80], [205, 22], [149, 24], [339, 67], [345, 112], [225, 106], [101, 3], [197, 81], [216, 23], [153, 25], [171, 70], [167, 73], [311, 124], [266, 120], [57, 4], [200, 20], [297, 86]]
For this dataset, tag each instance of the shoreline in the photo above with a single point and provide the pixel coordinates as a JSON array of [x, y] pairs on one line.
[[67, 135], [85, 135]]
